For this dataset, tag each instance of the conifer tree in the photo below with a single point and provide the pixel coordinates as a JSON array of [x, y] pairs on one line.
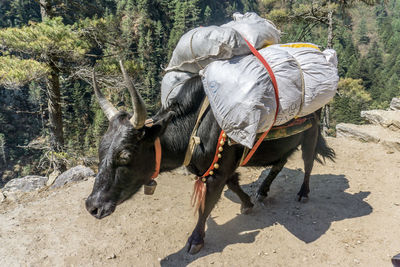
[[49, 45]]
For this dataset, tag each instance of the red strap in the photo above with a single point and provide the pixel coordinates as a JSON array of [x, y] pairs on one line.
[[157, 147], [271, 74]]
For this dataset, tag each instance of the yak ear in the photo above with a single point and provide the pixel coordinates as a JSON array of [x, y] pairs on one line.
[[157, 128]]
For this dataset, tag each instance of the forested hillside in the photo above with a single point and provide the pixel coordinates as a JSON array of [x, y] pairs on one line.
[[49, 118]]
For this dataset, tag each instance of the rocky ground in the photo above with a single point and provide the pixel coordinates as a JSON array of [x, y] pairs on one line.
[[352, 218]]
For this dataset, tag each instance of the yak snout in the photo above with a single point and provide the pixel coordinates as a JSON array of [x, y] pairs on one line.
[[98, 207]]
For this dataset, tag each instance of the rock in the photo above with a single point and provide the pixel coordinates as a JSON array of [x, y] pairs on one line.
[[386, 118], [112, 256], [52, 177], [75, 174], [24, 184], [352, 131], [370, 133], [2, 197], [395, 104]]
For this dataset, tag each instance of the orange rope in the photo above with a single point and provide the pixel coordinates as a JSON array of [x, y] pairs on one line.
[[271, 74]]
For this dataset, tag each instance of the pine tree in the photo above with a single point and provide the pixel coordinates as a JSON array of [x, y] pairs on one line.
[[50, 45], [362, 32]]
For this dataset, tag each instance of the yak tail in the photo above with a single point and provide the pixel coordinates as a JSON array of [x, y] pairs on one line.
[[323, 150]]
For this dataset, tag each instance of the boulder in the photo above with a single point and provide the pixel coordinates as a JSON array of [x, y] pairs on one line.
[[385, 118], [370, 133], [75, 174], [25, 184], [395, 104], [353, 131]]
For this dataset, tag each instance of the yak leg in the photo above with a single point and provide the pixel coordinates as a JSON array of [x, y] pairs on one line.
[[233, 184], [264, 187], [214, 190], [308, 153]]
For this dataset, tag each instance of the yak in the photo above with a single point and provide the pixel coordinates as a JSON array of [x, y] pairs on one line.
[[127, 153]]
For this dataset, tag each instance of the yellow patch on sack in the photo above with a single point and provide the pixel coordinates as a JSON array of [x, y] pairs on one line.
[[301, 45]]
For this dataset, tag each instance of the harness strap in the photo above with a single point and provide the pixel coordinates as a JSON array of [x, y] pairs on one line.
[[195, 140], [157, 148], [274, 83]]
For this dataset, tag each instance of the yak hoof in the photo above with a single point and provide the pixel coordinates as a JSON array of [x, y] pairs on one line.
[[246, 210], [194, 249], [260, 198], [302, 199]]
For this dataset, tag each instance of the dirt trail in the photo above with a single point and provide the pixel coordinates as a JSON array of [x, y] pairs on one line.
[[352, 218]]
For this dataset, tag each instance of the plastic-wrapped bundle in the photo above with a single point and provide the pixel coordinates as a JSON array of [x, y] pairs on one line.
[[171, 84], [202, 45], [250, 107], [320, 73], [258, 31]]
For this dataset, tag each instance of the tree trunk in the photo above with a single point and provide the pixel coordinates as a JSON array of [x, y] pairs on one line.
[[326, 120], [326, 111], [330, 30], [45, 9], [2, 150], [55, 114]]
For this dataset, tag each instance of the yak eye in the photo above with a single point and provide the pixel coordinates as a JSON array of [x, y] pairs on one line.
[[124, 157]]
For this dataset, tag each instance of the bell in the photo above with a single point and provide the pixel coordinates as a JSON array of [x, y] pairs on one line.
[[150, 187]]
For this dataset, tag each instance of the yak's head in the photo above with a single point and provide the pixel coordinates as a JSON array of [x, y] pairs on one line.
[[126, 153]]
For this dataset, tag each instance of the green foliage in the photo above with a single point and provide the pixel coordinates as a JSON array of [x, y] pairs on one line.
[[350, 101], [15, 72], [50, 38], [18, 12], [362, 33]]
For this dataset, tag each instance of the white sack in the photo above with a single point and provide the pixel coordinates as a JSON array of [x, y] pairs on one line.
[[258, 31], [202, 45], [171, 84], [320, 75], [242, 96]]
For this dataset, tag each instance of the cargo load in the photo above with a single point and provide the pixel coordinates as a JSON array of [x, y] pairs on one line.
[[258, 31], [171, 84], [306, 82], [306, 77], [203, 45]]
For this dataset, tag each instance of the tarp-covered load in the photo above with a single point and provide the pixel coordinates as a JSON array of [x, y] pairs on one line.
[[172, 83], [238, 85], [250, 107], [258, 31], [203, 45]]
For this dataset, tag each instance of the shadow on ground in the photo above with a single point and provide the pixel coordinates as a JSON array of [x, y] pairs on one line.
[[307, 221]]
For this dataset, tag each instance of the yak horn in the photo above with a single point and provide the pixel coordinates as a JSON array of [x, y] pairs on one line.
[[139, 109], [108, 109]]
